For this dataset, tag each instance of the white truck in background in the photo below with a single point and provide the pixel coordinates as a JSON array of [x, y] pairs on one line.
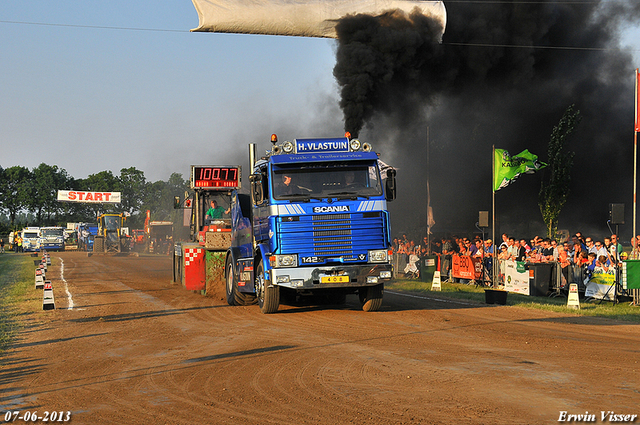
[[52, 238], [30, 239]]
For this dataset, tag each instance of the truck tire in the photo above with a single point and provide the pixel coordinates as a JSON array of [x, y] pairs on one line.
[[234, 296], [371, 297], [268, 295], [174, 267], [98, 244]]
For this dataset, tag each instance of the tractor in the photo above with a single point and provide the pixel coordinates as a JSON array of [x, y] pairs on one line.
[[110, 237]]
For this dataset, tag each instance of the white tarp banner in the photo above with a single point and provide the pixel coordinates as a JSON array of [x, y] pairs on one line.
[[90, 197], [602, 284], [310, 18]]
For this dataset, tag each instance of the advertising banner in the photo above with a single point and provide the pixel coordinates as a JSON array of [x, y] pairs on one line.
[[507, 168], [516, 278], [602, 285], [465, 267], [89, 197], [631, 274]]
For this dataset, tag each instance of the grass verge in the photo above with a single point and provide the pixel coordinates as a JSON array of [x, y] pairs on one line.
[[621, 311], [16, 284]]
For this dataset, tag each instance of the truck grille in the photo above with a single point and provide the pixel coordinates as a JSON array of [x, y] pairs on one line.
[[332, 234]]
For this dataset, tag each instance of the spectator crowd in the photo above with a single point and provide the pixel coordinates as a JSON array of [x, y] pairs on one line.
[[578, 257]]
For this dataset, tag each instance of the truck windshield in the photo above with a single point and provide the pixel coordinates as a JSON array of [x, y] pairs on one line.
[[30, 235], [335, 180], [217, 209], [52, 232], [112, 222]]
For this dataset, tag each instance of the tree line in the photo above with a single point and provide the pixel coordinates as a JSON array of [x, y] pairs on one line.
[[29, 197]]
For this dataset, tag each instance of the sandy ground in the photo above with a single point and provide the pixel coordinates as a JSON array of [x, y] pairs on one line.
[[126, 346]]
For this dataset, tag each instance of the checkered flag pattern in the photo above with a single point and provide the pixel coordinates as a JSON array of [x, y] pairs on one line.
[[191, 254]]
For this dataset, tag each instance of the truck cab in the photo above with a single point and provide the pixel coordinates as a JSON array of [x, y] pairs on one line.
[[319, 224], [52, 238], [86, 234], [30, 239], [70, 239]]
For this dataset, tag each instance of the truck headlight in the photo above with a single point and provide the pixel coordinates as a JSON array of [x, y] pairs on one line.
[[287, 147], [378, 256], [289, 260]]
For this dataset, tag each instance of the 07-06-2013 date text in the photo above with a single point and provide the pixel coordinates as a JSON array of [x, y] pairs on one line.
[[28, 416]]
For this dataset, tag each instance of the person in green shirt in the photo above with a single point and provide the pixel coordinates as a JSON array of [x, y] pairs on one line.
[[216, 212]]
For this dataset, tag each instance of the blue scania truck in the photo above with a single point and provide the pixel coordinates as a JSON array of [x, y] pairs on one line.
[[315, 222]]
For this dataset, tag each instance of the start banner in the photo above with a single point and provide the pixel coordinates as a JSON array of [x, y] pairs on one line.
[[465, 267], [90, 197]]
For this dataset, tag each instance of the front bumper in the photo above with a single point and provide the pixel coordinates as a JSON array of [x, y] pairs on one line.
[[343, 276]]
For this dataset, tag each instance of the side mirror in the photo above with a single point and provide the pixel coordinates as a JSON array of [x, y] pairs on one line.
[[176, 202], [257, 188], [390, 189]]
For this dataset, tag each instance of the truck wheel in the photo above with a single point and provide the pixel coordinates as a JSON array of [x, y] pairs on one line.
[[177, 268], [98, 245], [231, 283], [174, 269], [371, 297], [268, 295], [234, 296]]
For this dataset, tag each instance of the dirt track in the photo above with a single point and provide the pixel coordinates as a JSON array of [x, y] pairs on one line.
[[137, 349]]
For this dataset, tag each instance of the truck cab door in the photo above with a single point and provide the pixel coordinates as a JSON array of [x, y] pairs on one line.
[[260, 201]]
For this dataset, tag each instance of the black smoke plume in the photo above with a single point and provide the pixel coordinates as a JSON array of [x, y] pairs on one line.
[[503, 75]]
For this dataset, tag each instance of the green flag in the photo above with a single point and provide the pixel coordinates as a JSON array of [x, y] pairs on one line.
[[507, 168]]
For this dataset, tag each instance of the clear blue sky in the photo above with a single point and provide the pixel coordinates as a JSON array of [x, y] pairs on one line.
[[93, 99]]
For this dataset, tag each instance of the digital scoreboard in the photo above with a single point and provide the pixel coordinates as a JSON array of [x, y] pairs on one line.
[[215, 177]]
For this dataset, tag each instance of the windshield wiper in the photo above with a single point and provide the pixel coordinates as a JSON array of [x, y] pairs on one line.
[[301, 196], [349, 195]]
